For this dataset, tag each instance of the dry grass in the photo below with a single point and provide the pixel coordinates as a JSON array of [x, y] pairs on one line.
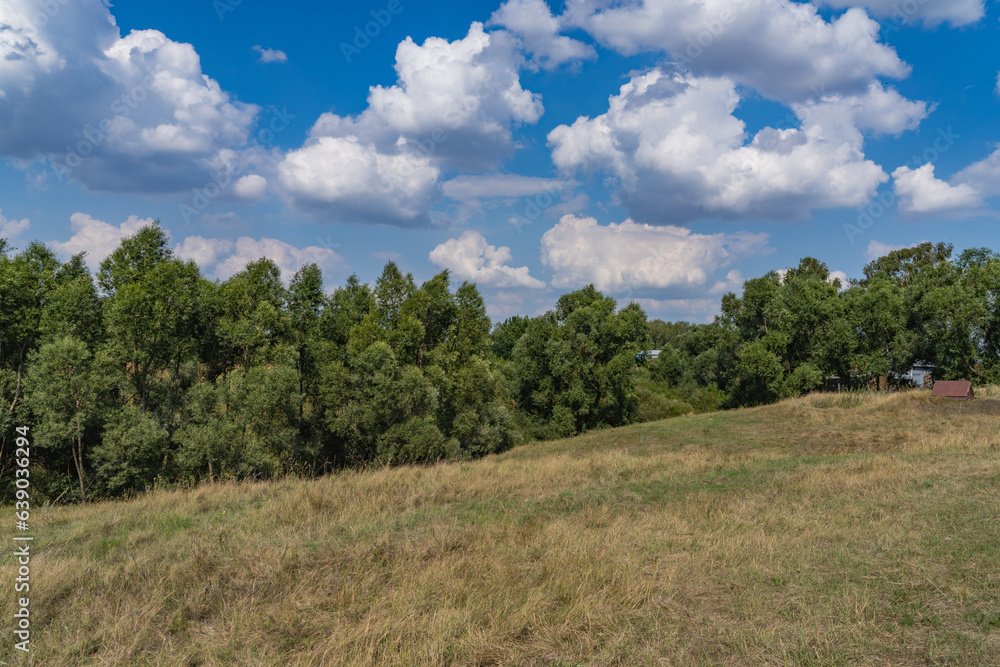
[[826, 530]]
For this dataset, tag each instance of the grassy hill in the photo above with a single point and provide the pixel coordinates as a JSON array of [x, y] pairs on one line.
[[826, 530]]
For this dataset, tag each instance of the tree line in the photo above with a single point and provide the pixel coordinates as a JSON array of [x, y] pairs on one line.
[[789, 332], [148, 374]]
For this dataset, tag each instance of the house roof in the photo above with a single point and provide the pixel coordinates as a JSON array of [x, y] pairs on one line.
[[953, 389]]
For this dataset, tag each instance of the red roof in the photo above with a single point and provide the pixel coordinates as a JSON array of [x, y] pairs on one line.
[[953, 389]]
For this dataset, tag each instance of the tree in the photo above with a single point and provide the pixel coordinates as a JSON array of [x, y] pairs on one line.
[[134, 258], [904, 266], [253, 325], [572, 368], [305, 304], [64, 389], [506, 334], [73, 308], [152, 326], [381, 410]]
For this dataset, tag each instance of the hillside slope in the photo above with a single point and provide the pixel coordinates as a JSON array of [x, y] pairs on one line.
[[826, 530]]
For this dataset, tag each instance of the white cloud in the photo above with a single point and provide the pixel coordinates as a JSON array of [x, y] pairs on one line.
[[344, 180], [982, 176], [677, 151], [783, 49], [931, 12], [11, 229], [456, 101], [453, 107], [222, 258], [532, 21], [841, 276], [143, 116], [733, 283], [470, 257], [630, 255], [251, 186], [271, 55], [918, 191], [96, 238]]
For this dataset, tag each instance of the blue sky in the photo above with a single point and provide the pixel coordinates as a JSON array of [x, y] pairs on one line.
[[664, 150]]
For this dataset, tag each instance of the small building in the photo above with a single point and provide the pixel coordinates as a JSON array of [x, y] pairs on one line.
[[648, 355], [960, 390], [921, 374]]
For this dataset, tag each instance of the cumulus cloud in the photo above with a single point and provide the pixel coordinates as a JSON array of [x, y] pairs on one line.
[[222, 258], [271, 55], [456, 101], [841, 276], [982, 176], [11, 228], [252, 187], [143, 117], [733, 283], [784, 49], [676, 151], [470, 257], [930, 12], [919, 192], [579, 251], [454, 106], [96, 238], [350, 181], [532, 21]]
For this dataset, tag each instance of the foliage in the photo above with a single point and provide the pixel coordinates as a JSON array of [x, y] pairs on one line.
[[150, 374]]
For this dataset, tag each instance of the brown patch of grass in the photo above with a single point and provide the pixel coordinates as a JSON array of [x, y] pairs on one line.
[[824, 530]]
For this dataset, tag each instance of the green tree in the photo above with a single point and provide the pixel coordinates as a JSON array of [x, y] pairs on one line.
[[506, 334], [572, 368], [65, 394], [305, 306]]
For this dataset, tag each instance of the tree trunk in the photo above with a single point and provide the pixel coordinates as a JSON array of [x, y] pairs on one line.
[[78, 459]]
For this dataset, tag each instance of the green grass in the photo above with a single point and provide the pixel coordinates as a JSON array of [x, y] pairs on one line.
[[827, 530]]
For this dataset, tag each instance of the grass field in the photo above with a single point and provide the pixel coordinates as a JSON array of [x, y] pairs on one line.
[[829, 530]]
